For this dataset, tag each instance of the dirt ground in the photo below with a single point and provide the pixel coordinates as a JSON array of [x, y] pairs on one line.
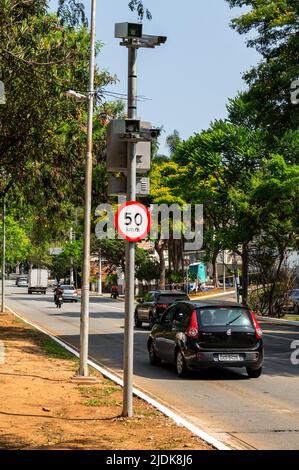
[[40, 408]]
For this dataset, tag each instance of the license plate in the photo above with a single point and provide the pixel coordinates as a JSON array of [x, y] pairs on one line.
[[229, 357]]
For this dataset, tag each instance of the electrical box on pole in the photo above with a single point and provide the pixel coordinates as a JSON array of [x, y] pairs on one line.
[[120, 132], [118, 186]]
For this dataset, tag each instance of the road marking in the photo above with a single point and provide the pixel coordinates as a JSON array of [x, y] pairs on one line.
[[136, 391], [279, 337]]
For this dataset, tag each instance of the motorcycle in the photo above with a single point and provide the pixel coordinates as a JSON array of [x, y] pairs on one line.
[[58, 301]]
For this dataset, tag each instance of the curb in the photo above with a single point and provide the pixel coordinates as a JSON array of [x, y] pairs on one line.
[[280, 321], [137, 392]]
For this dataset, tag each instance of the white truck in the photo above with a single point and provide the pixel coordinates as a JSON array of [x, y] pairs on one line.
[[37, 280]]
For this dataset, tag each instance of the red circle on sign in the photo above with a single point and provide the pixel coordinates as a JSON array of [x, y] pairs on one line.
[[119, 229]]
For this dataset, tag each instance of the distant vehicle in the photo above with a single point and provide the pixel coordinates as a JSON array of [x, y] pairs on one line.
[[199, 335], [21, 276], [69, 293], [292, 304], [38, 281], [149, 309], [22, 282], [228, 283]]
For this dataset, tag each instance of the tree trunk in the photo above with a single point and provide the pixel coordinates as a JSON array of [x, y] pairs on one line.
[[245, 267], [214, 267], [160, 247], [271, 293]]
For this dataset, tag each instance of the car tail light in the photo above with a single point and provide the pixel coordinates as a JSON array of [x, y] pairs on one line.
[[162, 305], [258, 330], [192, 329]]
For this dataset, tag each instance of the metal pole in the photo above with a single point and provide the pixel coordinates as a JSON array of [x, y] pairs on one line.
[[130, 247], [84, 319], [100, 275], [223, 276], [72, 260], [3, 257]]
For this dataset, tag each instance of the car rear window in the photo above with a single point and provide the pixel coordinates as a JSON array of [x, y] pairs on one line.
[[169, 298], [67, 287], [224, 316]]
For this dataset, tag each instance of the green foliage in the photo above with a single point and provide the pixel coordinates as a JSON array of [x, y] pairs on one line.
[[141, 10], [17, 241], [147, 268], [275, 27]]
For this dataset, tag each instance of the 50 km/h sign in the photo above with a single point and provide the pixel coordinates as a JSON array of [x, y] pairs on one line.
[[133, 221]]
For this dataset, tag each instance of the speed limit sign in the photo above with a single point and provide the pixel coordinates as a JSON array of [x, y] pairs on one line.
[[133, 221]]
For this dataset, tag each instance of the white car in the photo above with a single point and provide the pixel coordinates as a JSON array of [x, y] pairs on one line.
[[22, 282], [69, 293]]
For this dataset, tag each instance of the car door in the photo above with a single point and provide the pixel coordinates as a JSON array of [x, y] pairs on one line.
[[143, 309], [163, 335], [179, 322]]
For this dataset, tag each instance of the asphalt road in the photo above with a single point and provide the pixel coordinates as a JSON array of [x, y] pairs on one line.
[[243, 413]]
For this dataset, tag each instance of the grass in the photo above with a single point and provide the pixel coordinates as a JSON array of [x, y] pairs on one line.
[[100, 396], [291, 317], [50, 347]]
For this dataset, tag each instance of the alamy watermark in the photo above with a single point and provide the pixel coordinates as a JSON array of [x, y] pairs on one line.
[[167, 221], [295, 353]]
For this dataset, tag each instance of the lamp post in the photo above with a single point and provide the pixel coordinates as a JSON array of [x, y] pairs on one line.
[[89, 97], [3, 101]]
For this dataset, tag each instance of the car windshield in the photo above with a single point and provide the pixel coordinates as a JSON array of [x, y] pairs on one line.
[[224, 316], [169, 298]]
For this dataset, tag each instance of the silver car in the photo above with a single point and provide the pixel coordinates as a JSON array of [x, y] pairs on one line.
[[69, 293]]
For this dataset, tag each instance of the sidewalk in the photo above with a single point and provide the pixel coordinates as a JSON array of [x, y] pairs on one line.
[[41, 408]]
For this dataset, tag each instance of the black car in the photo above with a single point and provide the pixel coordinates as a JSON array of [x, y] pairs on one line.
[[150, 309], [203, 334]]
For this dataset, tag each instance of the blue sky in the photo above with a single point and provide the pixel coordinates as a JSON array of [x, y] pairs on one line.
[[189, 79]]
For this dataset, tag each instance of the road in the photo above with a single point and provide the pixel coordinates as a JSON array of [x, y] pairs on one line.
[[243, 413]]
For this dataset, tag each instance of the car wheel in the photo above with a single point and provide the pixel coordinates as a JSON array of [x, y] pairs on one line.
[[153, 358], [181, 367], [254, 373], [138, 323]]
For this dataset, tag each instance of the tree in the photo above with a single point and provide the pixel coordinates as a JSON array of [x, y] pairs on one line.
[[147, 268], [17, 241], [275, 26], [42, 134]]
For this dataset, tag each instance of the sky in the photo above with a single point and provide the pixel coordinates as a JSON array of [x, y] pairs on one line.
[[189, 79]]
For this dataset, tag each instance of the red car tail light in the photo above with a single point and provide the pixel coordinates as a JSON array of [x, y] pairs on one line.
[[192, 330], [258, 330], [162, 305]]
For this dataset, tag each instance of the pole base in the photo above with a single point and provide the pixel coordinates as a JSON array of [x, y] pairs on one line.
[[88, 380]]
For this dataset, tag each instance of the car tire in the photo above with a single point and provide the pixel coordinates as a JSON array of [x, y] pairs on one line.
[[138, 323], [181, 366], [153, 358], [254, 373]]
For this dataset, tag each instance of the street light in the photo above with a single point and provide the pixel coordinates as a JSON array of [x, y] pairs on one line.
[[89, 97], [75, 95]]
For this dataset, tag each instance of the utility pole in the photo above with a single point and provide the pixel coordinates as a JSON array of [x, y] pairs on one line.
[[3, 255], [224, 277], [3, 101], [72, 260], [100, 274], [84, 319], [130, 246], [236, 277]]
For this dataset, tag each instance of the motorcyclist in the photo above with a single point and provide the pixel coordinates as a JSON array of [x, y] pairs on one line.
[[114, 292], [57, 292]]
